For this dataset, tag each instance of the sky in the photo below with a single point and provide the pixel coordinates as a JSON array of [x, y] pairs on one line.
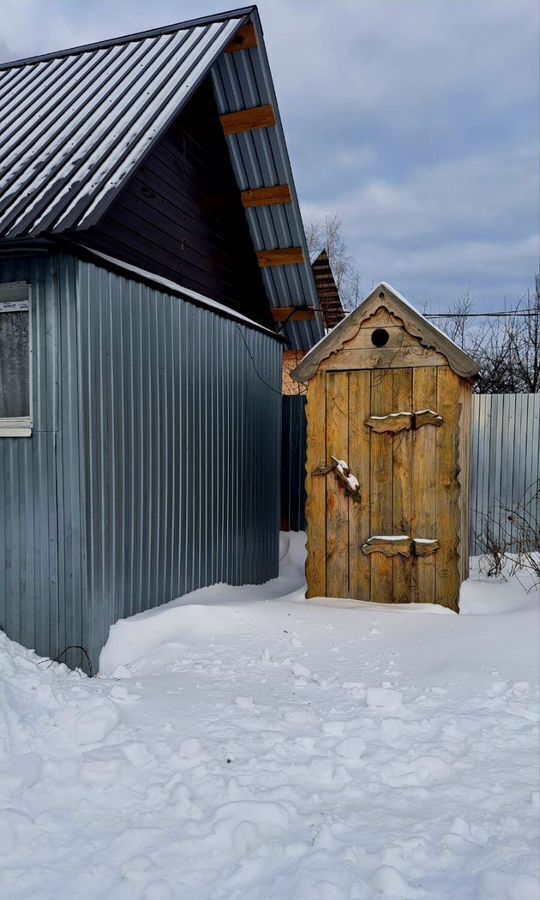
[[416, 120]]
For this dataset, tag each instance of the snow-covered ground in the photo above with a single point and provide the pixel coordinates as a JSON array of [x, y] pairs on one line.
[[244, 744]]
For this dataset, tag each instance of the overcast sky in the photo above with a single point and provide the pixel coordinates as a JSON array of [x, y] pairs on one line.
[[417, 120]]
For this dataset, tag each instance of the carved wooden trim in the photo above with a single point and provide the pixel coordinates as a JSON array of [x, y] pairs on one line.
[[424, 547], [394, 422], [400, 545], [403, 421], [389, 546], [427, 417], [413, 322]]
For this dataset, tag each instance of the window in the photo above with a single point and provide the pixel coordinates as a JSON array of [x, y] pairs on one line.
[[15, 391]]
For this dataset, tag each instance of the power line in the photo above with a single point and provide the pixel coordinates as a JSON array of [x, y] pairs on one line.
[[452, 315], [509, 312]]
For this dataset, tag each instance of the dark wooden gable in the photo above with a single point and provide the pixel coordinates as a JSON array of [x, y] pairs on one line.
[[180, 215]]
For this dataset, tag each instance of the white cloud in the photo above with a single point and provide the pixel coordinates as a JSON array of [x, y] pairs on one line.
[[417, 119]]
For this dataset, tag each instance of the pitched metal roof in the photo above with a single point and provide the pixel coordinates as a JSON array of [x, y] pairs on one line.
[[76, 124]]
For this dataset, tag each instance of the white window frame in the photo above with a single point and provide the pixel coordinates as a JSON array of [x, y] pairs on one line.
[[15, 296]]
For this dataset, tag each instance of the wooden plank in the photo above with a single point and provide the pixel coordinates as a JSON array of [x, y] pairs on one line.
[[465, 428], [448, 513], [402, 400], [244, 39], [337, 501], [381, 520], [359, 443], [266, 196], [316, 488], [286, 256], [248, 119], [289, 314], [424, 479], [397, 338], [426, 417]]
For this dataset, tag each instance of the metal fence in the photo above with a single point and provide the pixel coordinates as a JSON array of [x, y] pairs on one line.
[[505, 458]]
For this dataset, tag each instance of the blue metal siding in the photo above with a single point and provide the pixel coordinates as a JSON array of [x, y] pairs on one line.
[[182, 444], [41, 538], [153, 466]]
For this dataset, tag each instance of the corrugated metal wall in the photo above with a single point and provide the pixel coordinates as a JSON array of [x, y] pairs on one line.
[[293, 463], [41, 524], [182, 444], [505, 456], [153, 467]]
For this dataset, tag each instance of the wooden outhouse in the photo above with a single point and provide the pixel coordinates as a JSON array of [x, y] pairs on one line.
[[388, 410]]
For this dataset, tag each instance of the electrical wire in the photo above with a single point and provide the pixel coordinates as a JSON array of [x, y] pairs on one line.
[[259, 376], [510, 312]]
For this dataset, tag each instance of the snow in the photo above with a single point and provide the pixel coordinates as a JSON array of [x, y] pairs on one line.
[[243, 743]]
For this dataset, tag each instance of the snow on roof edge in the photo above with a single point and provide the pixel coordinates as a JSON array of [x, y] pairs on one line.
[[399, 296], [342, 326]]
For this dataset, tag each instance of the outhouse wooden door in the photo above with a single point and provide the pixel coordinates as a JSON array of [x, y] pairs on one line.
[[395, 538]]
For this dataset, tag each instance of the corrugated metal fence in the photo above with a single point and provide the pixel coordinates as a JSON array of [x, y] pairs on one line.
[[505, 457]]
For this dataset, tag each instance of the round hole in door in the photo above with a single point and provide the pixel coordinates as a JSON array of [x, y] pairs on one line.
[[379, 337]]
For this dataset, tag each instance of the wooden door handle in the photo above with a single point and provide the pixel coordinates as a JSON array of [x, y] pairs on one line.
[[403, 421], [400, 545]]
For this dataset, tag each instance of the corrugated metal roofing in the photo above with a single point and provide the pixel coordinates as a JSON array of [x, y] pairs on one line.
[[76, 124], [260, 159], [73, 128]]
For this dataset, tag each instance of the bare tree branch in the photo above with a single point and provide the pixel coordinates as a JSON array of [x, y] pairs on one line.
[[327, 234]]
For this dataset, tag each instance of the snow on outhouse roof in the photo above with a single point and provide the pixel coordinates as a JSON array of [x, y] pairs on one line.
[[385, 295], [76, 124]]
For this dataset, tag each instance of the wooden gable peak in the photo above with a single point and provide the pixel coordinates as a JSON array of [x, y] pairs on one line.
[[397, 306]]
